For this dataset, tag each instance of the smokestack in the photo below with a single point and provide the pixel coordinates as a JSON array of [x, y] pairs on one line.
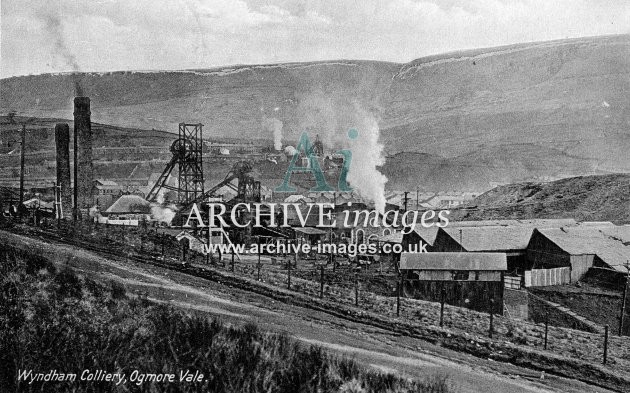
[[83, 168], [62, 140]]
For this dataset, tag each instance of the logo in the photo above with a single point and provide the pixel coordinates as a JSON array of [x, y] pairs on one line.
[[305, 147]]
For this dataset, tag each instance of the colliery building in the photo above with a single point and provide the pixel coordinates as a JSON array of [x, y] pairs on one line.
[[577, 249], [473, 280], [538, 252]]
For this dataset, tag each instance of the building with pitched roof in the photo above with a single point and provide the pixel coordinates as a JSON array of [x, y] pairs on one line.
[[472, 280], [580, 248]]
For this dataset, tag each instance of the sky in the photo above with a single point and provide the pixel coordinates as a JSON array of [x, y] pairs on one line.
[[43, 36]]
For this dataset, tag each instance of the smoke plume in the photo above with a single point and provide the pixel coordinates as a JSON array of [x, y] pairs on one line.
[[290, 151], [54, 29], [331, 114], [367, 156], [274, 126], [161, 213]]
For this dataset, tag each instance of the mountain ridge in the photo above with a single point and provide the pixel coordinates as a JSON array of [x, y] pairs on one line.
[[569, 96]]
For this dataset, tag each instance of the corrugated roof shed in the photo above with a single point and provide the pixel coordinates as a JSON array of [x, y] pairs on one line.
[[491, 238], [453, 261], [622, 233], [429, 234], [606, 243]]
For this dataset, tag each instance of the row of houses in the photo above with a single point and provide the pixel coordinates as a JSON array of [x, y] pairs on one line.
[[430, 200]]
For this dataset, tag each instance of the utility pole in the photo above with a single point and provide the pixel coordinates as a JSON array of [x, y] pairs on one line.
[[623, 299], [417, 198], [406, 200], [22, 148]]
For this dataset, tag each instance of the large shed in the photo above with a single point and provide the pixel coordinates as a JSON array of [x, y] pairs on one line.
[[462, 279], [580, 248]]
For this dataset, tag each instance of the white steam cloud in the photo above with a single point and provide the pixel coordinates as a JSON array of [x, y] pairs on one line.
[[274, 126], [161, 213], [290, 151], [331, 114], [367, 155]]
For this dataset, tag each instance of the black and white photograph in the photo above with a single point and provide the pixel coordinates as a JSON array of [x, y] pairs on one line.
[[287, 196]]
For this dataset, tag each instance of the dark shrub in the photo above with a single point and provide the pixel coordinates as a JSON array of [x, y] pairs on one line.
[[68, 283]]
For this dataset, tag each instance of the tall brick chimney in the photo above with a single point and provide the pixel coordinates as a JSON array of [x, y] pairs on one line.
[[83, 167], [62, 141]]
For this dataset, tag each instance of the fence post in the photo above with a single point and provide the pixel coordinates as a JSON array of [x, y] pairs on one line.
[[356, 288], [398, 290], [321, 281], [491, 317], [232, 267], [546, 328], [258, 265], [605, 344], [442, 300]]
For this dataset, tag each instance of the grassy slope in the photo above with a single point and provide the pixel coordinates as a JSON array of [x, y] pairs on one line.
[[593, 303], [56, 320], [588, 198]]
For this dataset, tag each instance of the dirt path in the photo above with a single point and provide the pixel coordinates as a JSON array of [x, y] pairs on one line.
[[371, 346]]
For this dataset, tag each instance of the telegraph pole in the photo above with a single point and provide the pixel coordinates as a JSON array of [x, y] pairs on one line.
[[23, 146], [406, 200], [417, 198]]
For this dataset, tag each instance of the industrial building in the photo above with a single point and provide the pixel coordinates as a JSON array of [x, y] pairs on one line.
[[463, 279], [579, 248]]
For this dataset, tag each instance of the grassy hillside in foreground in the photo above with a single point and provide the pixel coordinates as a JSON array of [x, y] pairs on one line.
[[585, 198], [56, 320]]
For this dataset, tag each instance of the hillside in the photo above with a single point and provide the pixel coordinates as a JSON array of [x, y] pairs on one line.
[[58, 320], [523, 112], [588, 198]]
